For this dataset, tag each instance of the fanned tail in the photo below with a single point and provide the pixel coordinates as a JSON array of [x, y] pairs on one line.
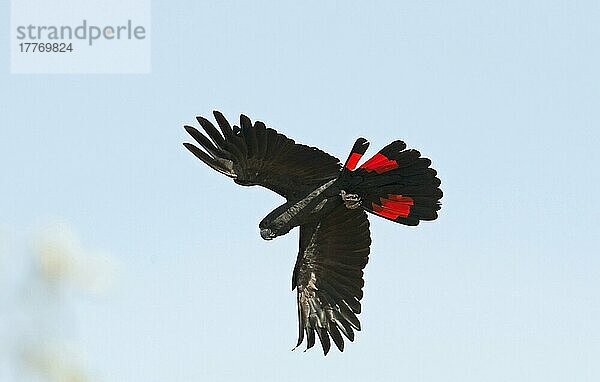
[[397, 184]]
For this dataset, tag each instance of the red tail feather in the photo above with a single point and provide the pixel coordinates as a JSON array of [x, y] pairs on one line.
[[394, 206], [359, 148], [353, 161], [380, 164]]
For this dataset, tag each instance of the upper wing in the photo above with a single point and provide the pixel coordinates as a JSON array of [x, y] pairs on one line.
[[257, 155], [328, 276]]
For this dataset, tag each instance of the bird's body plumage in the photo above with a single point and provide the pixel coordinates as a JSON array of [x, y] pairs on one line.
[[327, 200]]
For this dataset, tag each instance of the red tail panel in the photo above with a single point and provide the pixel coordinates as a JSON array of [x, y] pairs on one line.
[[395, 206], [400, 198], [384, 212], [359, 148], [353, 161], [380, 164]]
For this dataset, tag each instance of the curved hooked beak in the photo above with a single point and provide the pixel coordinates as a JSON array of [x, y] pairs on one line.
[[267, 234]]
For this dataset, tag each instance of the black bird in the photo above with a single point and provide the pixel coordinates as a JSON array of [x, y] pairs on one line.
[[328, 202]]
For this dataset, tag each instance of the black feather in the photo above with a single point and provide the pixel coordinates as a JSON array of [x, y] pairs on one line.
[[224, 125], [211, 130]]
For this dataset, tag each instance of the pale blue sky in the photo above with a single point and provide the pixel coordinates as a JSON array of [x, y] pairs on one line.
[[503, 96]]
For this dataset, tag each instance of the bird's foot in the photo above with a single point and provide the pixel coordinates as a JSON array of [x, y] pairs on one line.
[[352, 201]]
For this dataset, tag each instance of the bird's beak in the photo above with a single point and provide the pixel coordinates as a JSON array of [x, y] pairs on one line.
[[266, 234]]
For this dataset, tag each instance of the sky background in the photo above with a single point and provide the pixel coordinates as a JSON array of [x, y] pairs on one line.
[[504, 97]]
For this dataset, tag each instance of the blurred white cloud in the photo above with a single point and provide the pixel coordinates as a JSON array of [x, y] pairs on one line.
[[56, 362], [61, 258], [40, 283]]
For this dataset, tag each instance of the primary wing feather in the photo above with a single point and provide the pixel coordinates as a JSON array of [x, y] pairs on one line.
[[328, 276], [258, 155]]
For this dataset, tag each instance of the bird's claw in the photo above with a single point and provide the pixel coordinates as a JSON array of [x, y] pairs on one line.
[[352, 201]]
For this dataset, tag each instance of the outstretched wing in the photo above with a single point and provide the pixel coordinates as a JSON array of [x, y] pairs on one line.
[[328, 276], [257, 155]]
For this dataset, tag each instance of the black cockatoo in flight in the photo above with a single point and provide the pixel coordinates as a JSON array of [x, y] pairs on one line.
[[327, 200]]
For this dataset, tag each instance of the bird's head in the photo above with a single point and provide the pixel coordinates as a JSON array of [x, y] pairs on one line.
[[276, 223]]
